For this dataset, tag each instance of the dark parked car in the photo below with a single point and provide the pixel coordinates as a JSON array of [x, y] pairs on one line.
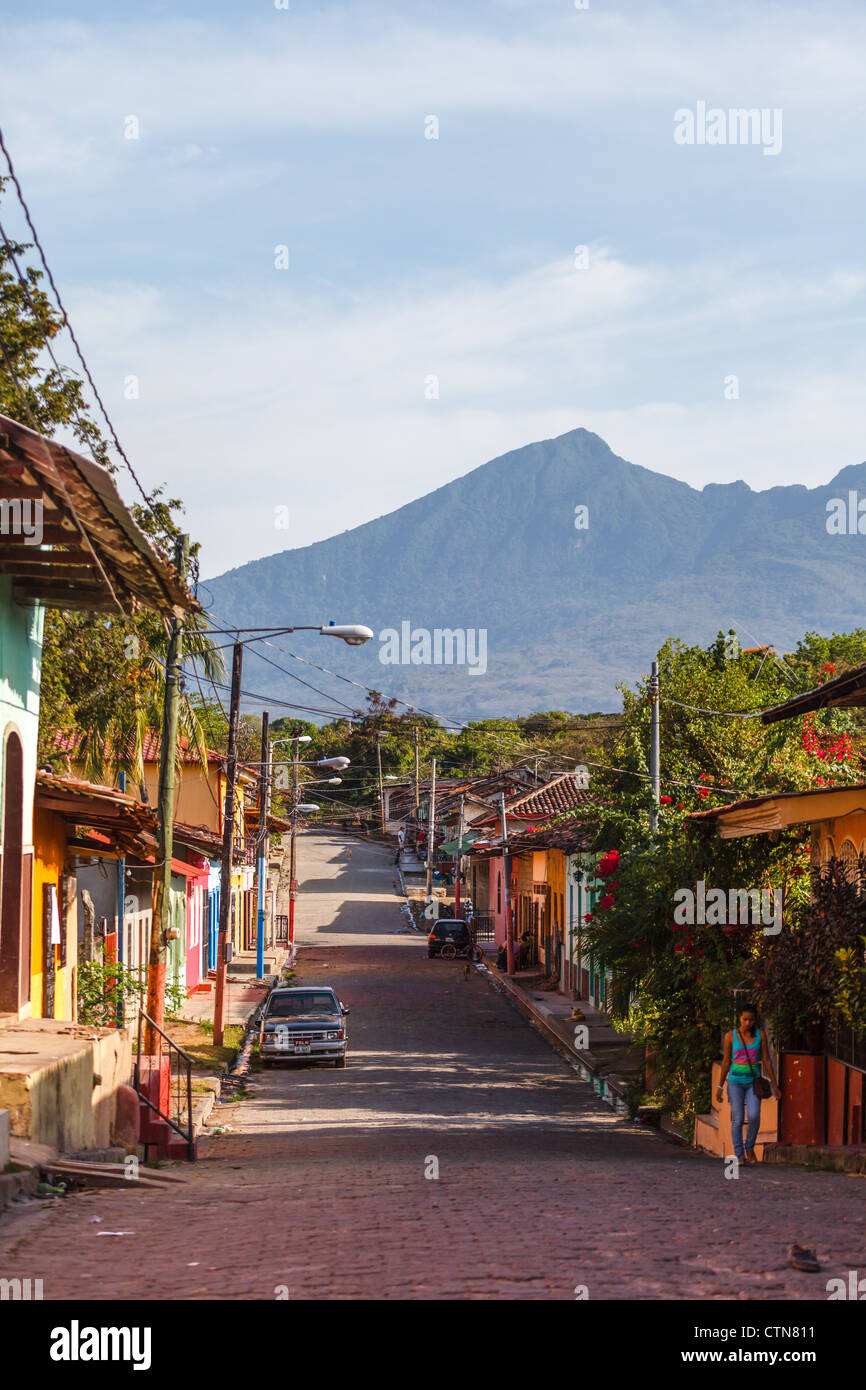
[[304, 1022], [450, 937]]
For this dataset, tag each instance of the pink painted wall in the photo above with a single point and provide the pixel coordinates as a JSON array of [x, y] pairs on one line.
[[196, 924]]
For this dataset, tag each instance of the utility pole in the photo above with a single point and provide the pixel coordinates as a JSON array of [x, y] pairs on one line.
[[121, 903], [506, 896], [262, 845], [229, 809], [459, 860], [292, 886], [379, 737], [417, 775], [161, 901], [654, 746], [431, 813]]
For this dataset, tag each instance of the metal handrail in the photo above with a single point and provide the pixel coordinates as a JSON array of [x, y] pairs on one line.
[[187, 1133]]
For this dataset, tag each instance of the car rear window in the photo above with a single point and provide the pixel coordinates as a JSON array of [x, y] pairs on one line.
[[304, 1002], [450, 928]]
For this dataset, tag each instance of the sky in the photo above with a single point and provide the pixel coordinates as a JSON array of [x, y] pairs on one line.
[[302, 311]]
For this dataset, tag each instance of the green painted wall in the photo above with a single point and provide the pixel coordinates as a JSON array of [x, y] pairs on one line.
[[20, 668]]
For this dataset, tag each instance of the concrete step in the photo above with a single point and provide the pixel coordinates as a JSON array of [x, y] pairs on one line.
[[716, 1139]]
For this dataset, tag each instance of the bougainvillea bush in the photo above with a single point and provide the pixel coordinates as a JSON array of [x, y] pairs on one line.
[[673, 982]]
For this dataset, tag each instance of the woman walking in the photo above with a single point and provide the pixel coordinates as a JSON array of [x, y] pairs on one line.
[[745, 1052]]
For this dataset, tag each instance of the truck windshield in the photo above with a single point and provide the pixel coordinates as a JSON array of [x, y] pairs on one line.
[[287, 1005]]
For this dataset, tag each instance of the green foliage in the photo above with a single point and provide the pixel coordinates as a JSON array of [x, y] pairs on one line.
[[103, 984], [673, 985], [815, 967], [103, 682], [102, 677], [32, 391]]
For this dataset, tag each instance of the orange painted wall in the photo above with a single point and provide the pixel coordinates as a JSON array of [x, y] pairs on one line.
[[835, 1101]]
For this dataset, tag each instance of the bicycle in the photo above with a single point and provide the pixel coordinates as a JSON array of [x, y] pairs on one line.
[[471, 951]]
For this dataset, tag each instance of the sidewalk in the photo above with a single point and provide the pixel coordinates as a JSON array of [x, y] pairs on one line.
[[243, 997], [610, 1060]]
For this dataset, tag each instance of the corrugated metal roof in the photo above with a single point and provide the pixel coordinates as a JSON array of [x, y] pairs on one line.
[[847, 690]]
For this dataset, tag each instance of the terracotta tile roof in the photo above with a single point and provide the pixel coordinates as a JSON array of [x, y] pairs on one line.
[[125, 821], [553, 798], [573, 839], [69, 741], [560, 794]]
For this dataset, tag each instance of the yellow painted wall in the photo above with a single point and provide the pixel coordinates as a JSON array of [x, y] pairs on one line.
[[198, 795], [49, 837]]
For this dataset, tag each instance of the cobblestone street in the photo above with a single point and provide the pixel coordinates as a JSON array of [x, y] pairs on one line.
[[320, 1191]]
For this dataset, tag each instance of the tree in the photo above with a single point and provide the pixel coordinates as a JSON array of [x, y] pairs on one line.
[[102, 676], [673, 981]]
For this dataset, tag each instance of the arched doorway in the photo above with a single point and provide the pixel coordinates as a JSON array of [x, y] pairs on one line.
[[11, 876]]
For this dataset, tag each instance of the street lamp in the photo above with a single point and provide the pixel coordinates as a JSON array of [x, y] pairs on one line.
[[355, 635], [339, 763]]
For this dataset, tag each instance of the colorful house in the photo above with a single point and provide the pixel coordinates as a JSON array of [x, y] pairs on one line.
[[550, 873], [66, 541], [823, 1093]]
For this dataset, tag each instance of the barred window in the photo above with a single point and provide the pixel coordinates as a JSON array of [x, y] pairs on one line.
[[848, 859]]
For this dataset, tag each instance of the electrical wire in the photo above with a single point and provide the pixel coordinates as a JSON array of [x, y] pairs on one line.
[[37, 243], [728, 713], [85, 535]]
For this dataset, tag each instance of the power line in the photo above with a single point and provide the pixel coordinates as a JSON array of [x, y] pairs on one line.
[[85, 535], [728, 713], [14, 177]]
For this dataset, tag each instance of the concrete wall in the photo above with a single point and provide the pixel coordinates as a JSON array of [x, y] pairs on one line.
[[59, 1081]]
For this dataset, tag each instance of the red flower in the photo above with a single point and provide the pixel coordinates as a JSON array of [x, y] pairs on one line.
[[665, 800]]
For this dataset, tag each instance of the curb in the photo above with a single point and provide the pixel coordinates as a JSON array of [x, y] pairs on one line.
[[203, 1106], [611, 1089], [15, 1185]]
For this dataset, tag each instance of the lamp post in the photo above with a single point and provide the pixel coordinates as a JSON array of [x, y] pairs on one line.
[[339, 763], [379, 737], [354, 634]]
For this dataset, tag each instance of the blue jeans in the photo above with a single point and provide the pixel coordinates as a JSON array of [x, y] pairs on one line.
[[744, 1103]]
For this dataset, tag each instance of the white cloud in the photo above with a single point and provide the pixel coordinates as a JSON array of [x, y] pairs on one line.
[[209, 84], [291, 401]]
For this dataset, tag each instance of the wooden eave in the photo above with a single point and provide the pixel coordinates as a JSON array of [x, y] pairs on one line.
[[766, 814], [88, 553]]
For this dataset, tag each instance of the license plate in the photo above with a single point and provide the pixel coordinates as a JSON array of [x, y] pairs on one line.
[[302, 1047]]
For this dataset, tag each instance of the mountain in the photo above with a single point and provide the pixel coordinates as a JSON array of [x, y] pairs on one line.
[[568, 613]]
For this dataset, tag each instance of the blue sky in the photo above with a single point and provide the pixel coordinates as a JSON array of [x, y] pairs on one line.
[[304, 388]]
